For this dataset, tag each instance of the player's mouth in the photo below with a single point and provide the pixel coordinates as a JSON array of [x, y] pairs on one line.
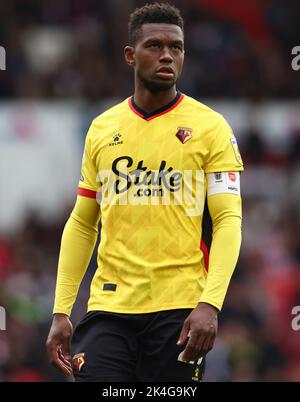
[[166, 73]]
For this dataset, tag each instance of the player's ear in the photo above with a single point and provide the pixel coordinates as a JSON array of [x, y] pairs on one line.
[[129, 55]]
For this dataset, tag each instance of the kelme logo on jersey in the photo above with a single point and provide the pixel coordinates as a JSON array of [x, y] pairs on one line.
[[116, 140], [135, 183]]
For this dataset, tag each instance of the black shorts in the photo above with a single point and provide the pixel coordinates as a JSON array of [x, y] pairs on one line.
[[131, 348]]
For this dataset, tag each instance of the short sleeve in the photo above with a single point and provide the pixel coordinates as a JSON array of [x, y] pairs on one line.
[[88, 178], [224, 154]]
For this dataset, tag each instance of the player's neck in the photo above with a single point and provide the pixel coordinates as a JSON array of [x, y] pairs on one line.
[[149, 101]]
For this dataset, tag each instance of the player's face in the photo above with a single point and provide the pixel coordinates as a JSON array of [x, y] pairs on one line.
[[158, 56]]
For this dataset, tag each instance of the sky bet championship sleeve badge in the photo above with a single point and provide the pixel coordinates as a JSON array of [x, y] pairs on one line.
[[236, 150], [184, 134]]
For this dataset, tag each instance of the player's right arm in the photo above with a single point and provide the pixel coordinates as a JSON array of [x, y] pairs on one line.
[[77, 245]]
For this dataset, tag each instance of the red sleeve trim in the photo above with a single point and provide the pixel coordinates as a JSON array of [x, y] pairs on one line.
[[86, 193], [205, 254]]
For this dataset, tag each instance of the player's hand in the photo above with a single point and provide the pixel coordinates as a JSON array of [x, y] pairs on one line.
[[200, 328], [58, 344]]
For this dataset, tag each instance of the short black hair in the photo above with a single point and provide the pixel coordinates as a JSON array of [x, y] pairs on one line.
[[163, 13]]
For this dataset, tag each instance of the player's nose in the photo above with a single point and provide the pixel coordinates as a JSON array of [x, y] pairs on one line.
[[165, 55]]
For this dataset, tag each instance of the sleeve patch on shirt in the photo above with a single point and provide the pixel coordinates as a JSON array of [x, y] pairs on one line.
[[236, 150], [223, 183]]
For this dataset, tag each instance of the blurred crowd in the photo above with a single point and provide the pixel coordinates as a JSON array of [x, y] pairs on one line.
[[74, 48]]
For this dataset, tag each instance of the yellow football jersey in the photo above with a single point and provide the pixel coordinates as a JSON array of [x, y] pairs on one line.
[[148, 172]]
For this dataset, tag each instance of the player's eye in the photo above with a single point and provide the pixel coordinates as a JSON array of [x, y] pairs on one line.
[[153, 45], [177, 47]]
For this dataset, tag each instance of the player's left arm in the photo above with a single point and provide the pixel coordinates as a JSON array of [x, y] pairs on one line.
[[201, 325], [222, 166], [226, 214]]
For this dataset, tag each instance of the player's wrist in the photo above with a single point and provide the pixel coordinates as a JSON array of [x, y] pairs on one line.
[[60, 316], [208, 307]]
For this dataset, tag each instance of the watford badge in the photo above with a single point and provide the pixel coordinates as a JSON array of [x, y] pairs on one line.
[[184, 134]]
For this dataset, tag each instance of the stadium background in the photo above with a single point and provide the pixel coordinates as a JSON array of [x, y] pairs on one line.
[[64, 65]]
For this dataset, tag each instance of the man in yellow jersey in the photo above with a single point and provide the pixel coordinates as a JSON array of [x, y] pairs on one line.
[[155, 167]]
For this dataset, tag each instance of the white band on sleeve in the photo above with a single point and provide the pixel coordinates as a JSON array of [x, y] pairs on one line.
[[223, 183]]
